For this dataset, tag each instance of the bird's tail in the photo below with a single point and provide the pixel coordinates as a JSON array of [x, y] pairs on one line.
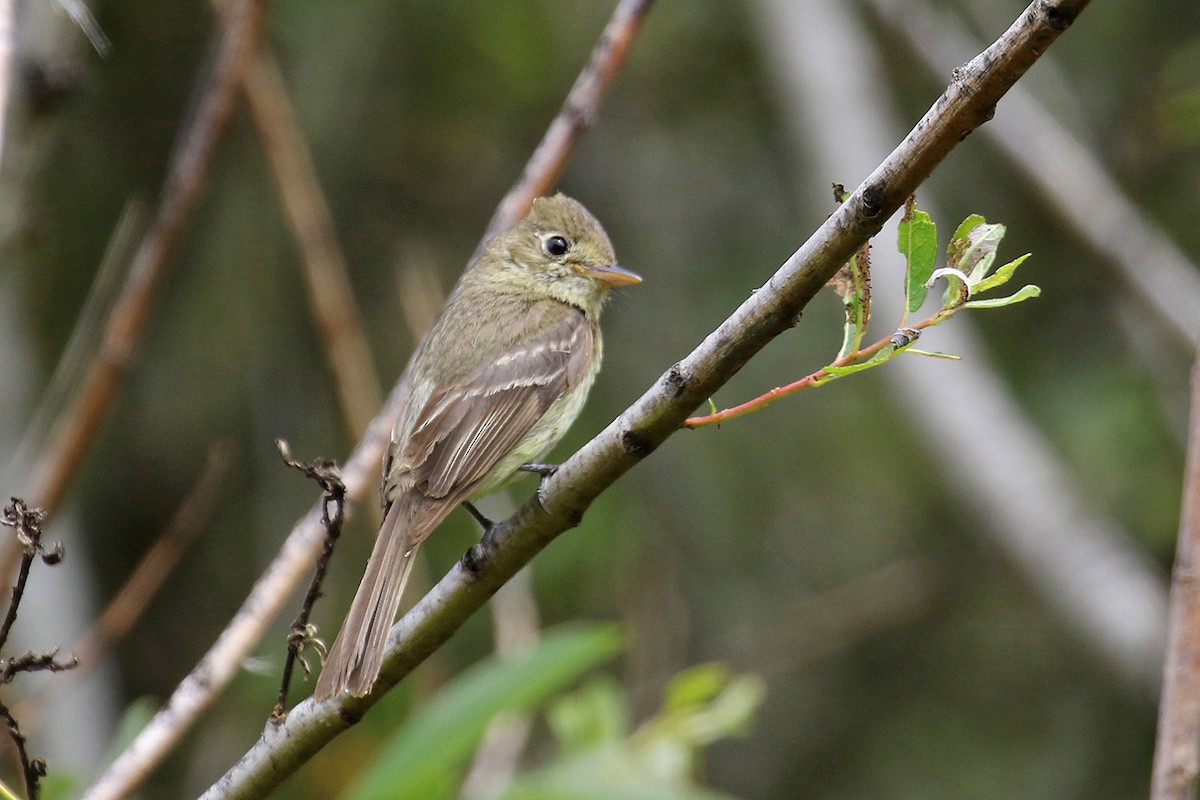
[[357, 654]]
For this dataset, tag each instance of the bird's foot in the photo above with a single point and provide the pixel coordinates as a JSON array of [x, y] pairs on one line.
[[544, 470]]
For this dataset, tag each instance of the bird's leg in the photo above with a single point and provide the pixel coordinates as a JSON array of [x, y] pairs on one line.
[[473, 560], [480, 518]]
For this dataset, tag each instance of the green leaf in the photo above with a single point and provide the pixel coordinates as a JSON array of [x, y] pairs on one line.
[[610, 774], [933, 354], [696, 685], [1025, 293], [974, 253], [421, 760], [917, 242], [1001, 276], [959, 242], [594, 716]]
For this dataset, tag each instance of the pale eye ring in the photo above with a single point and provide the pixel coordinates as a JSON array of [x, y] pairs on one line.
[[556, 246]]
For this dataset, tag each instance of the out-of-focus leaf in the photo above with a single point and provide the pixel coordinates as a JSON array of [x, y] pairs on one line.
[[594, 716], [137, 716], [422, 759], [658, 762], [696, 685], [917, 242], [609, 774], [1025, 293]]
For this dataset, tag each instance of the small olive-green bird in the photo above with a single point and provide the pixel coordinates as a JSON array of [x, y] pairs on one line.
[[494, 385]]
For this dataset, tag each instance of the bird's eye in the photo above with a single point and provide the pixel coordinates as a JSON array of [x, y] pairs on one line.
[[557, 246]]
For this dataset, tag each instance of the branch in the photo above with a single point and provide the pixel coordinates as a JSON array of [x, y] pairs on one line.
[[1073, 181], [637, 432], [326, 277], [1083, 563], [578, 112], [78, 427], [1177, 752], [300, 551]]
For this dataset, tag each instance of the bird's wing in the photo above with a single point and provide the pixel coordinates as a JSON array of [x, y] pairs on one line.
[[464, 430], [448, 448]]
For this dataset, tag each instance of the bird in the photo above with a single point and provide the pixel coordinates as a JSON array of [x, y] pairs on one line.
[[493, 386]]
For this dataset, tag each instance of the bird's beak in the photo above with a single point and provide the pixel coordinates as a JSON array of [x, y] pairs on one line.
[[613, 275]]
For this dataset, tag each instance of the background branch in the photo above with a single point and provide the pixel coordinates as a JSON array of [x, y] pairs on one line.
[[578, 112], [1081, 562], [76, 430], [636, 433], [330, 295], [1177, 752], [301, 549]]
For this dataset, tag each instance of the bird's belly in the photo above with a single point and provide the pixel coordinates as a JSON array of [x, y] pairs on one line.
[[544, 434]]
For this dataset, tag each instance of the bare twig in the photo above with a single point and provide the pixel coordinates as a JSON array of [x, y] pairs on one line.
[[333, 505], [298, 554], [27, 526], [325, 275], [78, 427], [1177, 752], [508, 546], [32, 769], [577, 114]]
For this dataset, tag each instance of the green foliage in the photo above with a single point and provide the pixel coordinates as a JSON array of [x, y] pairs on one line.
[[968, 271], [917, 241], [602, 760], [599, 757], [423, 759]]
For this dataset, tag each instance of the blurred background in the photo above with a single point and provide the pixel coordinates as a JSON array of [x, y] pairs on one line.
[[950, 575]]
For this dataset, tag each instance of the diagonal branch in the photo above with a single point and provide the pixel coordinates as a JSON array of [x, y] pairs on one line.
[[301, 549], [775, 308], [576, 116], [1177, 751], [330, 296], [1073, 181], [77, 429]]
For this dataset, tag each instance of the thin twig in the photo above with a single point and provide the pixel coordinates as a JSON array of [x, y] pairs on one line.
[[903, 336], [199, 688], [298, 554], [578, 112], [1177, 751], [78, 427], [333, 506], [27, 528], [326, 277], [33, 769], [658, 414]]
